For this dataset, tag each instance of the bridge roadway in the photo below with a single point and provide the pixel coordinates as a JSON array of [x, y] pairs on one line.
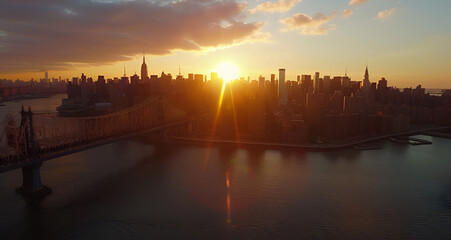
[[67, 149]]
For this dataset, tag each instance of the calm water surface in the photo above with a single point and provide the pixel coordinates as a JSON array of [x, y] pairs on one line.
[[135, 190]]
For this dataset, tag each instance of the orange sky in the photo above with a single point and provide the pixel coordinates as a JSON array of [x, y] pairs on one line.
[[99, 38]]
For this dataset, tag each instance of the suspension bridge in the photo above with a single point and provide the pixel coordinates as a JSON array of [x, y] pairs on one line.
[[44, 136]]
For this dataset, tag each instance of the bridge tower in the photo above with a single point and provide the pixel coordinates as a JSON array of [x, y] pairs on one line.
[[31, 176]]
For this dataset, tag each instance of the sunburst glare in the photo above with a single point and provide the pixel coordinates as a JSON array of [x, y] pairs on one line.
[[228, 71]]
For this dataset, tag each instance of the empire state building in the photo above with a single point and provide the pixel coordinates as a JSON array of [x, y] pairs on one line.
[[144, 74]]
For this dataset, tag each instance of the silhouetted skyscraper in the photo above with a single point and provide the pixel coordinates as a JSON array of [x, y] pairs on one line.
[[283, 98], [316, 84], [327, 84], [307, 83], [144, 73], [345, 81], [382, 84], [83, 79], [366, 83], [134, 80], [261, 81]]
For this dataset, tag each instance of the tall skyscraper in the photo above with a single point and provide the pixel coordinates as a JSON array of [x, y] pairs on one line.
[[316, 83], [307, 83], [144, 73], [46, 79], [335, 84], [327, 84], [382, 84], [283, 98], [83, 79], [261, 81], [345, 82], [366, 83]]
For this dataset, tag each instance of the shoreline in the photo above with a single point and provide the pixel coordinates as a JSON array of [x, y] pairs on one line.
[[314, 147], [30, 97]]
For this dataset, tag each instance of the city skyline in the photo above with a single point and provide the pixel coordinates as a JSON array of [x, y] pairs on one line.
[[225, 119], [259, 37]]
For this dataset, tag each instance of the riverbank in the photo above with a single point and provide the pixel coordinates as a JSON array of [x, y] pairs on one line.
[[3, 102], [313, 147]]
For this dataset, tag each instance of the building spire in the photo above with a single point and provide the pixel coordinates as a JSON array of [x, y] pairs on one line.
[[144, 56], [124, 71], [366, 82], [366, 72], [180, 71]]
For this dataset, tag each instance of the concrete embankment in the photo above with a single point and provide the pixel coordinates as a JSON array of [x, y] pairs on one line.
[[313, 147]]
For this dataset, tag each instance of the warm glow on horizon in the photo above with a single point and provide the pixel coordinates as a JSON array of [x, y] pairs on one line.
[[242, 38], [227, 71]]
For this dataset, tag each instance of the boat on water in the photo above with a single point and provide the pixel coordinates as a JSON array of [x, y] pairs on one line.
[[410, 140]]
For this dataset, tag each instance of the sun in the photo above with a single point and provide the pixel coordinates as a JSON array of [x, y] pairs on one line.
[[228, 71]]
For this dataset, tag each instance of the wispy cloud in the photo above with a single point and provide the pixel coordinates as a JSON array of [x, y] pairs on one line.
[[57, 34], [357, 2], [279, 6], [347, 13], [316, 25], [383, 15]]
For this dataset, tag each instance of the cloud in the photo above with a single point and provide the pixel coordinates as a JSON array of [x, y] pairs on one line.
[[279, 6], [316, 25], [383, 15], [347, 13], [61, 34], [357, 2]]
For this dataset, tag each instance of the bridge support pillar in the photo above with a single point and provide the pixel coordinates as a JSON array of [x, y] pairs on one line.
[[32, 185]]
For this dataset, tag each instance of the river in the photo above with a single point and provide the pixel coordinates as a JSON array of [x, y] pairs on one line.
[[132, 189]]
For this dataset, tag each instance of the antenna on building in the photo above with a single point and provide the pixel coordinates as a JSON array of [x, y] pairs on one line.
[[180, 71], [124, 71], [346, 71]]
